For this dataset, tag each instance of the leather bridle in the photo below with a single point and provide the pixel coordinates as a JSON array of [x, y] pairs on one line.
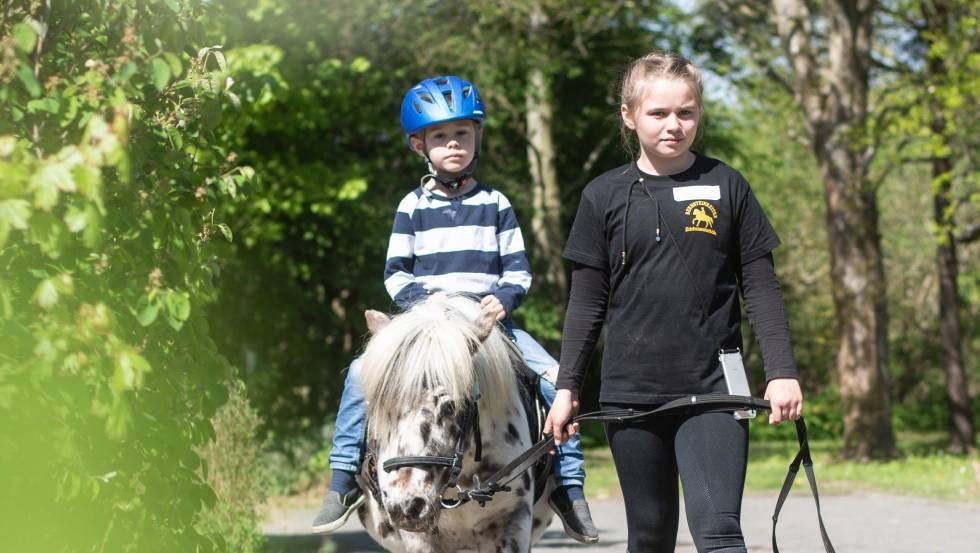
[[454, 463]]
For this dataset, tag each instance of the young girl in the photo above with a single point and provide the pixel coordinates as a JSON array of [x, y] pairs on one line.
[[660, 249]]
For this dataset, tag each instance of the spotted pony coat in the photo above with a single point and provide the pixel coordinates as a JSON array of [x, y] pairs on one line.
[[427, 421]]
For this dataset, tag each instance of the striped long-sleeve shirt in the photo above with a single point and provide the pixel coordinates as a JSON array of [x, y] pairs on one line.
[[469, 243]]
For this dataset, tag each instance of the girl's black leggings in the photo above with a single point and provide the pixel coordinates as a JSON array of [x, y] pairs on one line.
[[709, 452]]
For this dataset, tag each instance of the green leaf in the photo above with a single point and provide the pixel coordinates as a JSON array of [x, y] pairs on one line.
[[161, 73], [24, 37], [360, 65], [48, 182], [220, 58], [174, 5], [93, 228], [75, 219], [30, 83], [129, 370], [352, 189], [7, 145], [225, 230], [89, 181], [119, 419], [148, 310], [15, 213], [50, 105], [48, 233], [210, 114], [177, 308], [46, 294], [126, 71], [176, 67], [6, 306]]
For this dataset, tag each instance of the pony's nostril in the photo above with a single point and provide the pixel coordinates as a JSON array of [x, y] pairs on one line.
[[395, 512], [415, 508]]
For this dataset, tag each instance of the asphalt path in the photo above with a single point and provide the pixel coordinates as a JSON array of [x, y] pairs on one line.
[[856, 523]]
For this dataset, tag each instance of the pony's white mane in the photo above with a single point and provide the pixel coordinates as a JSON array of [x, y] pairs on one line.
[[429, 346]]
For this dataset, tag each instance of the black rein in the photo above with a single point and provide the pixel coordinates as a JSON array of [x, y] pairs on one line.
[[694, 404]]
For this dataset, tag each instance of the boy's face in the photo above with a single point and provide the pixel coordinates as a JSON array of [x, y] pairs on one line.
[[451, 146]]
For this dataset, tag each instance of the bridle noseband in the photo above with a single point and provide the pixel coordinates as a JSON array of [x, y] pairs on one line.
[[470, 427]]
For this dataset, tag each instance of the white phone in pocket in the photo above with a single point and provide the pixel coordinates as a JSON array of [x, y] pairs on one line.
[[735, 378]]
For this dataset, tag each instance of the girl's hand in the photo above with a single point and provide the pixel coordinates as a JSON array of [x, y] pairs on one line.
[[785, 398], [492, 303], [562, 410]]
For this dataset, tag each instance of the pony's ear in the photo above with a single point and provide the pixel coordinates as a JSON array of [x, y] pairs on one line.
[[376, 320], [484, 324]]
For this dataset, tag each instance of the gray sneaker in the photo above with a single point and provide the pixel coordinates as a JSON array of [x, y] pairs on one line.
[[336, 509], [575, 517]]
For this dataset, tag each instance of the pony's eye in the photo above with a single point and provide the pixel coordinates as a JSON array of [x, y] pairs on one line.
[[447, 410]]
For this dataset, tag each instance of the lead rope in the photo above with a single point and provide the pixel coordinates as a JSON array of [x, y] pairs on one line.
[[706, 403], [803, 456]]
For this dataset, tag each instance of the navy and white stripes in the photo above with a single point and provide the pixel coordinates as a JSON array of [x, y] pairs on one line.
[[470, 243]]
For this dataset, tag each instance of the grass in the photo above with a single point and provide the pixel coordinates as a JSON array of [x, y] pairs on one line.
[[924, 470]]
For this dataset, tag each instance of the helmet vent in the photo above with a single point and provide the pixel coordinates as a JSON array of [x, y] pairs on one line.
[[417, 106], [426, 97], [448, 95], [466, 91]]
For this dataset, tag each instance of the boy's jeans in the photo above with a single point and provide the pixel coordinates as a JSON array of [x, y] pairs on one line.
[[346, 451]]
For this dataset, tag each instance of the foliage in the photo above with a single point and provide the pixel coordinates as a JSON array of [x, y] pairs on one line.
[[299, 460], [110, 176], [320, 85], [322, 129], [788, 188], [235, 473]]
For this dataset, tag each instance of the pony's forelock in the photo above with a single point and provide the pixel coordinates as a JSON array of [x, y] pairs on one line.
[[432, 346]]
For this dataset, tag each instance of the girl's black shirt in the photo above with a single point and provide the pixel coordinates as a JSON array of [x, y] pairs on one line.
[[673, 303]]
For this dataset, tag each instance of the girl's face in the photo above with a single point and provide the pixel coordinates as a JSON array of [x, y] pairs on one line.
[[665, 120], [451, 146]]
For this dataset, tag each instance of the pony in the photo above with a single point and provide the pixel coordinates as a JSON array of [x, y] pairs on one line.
[[425, 373], [701, 216]]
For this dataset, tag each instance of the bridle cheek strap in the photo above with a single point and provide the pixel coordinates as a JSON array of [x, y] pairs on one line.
[[471, 426]]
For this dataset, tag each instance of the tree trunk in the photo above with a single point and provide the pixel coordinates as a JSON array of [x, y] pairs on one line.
[[834, 100], [546, 218], [961, 430]]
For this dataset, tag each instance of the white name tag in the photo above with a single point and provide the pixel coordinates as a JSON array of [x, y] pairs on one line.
[[688, 193]]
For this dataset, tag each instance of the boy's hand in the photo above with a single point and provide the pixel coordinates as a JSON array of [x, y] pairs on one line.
[[492, 304], [785, 398]]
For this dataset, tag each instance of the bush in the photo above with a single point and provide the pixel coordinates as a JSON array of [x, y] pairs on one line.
[[109, 180], [236, 474]]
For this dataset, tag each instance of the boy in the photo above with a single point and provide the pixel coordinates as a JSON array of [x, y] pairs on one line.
[[453, 234]]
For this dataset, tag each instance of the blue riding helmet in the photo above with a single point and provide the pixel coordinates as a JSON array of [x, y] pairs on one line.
[[438, 100]]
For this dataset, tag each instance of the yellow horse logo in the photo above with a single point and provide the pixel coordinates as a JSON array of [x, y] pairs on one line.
[[701, 216]]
